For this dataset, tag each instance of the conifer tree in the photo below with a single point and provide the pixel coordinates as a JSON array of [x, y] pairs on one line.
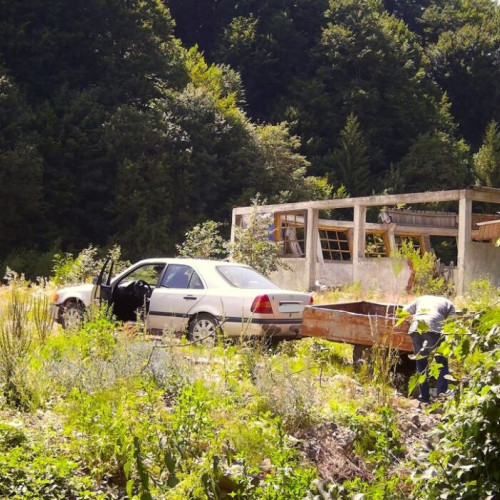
[[487, 159], [351, 162]]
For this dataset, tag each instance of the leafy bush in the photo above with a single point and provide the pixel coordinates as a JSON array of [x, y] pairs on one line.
[[464, 460], [70, 270], [105, 423], [425, 267], [289, 479], [252, 245], [10, 436], [481, 293], [30, 473], [287, 396], [204, 242]]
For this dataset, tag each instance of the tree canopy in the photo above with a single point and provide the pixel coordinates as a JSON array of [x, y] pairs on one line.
[[131, 122]]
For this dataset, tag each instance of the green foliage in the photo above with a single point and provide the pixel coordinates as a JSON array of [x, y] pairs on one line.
[[252, 245], [21, 170], [97, 337], [481, 293], [10, 436], [462, 39], [463, 461], [286, 396], [119, 416], [203, 242], [111, 130], [350, 159], [435, 161], [487, 159], [41, 317], [70, 270], [104, 421], [184, 159], [289, 480], [29, 473], [283, 169], [15, 341], [426, 280]]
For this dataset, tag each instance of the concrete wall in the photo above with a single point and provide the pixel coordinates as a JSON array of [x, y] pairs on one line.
[[389, 275], [334, 273], [294, 278], [482, 260]]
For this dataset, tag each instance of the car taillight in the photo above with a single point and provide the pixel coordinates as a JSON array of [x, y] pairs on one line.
[[262, 305], [55, 297], [311, 300]]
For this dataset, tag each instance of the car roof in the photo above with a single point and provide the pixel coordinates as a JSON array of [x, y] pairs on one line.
[[206, 267], [189, 261]]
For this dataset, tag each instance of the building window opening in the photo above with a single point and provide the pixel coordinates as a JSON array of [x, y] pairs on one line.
[[376, 245], [292, 234], [335, 244]]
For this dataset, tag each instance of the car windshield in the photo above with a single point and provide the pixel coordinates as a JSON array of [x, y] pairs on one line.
[[244, 277]]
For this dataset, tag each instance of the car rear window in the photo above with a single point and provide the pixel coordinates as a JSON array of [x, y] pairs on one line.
[[244, 277]]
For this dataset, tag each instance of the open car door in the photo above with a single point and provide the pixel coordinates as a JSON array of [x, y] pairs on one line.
[[102, 286]]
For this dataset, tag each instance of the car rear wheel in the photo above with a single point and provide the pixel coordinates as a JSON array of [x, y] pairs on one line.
[[72, 316], [204, 328]]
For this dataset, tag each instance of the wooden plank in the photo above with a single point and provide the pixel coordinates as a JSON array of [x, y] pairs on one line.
[[357, 323]]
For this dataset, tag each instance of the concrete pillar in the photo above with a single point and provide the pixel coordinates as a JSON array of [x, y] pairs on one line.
[[391, 228], [463, 241], [311, 246], [359, 240], [233, 226]]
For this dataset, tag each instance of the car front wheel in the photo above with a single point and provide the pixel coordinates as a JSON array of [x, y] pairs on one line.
[[72, 316], [203, 328]]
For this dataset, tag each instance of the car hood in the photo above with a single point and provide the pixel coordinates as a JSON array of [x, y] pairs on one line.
[[82, 292]]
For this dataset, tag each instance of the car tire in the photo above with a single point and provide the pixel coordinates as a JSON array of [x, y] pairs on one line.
[[72, 316], [204, 328]]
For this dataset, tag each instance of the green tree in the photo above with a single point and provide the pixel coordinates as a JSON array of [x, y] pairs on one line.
[[270, 44], [203, 241], [375, 69], [21, 170], [436, 161], [252, 245], [125, 48], [487, 159], [282, 169], [350, 160], [76, 63], [180, 161], [464, 41]]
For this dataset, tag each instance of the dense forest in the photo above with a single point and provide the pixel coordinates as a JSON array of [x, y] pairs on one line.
[[129, 122]]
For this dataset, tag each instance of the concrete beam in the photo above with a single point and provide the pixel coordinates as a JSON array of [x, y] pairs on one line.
[[367, 201]]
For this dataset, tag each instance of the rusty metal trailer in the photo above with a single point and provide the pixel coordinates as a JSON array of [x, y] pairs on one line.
[[362, 324]]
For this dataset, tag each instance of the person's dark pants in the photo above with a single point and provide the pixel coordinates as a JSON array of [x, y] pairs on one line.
[[423, 344]]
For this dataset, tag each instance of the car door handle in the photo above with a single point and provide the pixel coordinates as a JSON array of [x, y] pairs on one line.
[[189, 297]]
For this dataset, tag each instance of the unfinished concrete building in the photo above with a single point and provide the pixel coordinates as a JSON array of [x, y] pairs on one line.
[[321, 247]]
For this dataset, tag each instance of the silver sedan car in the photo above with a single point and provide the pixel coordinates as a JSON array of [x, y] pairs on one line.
[[200, 297]]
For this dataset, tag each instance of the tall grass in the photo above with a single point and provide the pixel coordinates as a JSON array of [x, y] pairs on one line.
[[15, 340]]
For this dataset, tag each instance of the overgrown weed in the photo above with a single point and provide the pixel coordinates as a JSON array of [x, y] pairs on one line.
[[15, 341]]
